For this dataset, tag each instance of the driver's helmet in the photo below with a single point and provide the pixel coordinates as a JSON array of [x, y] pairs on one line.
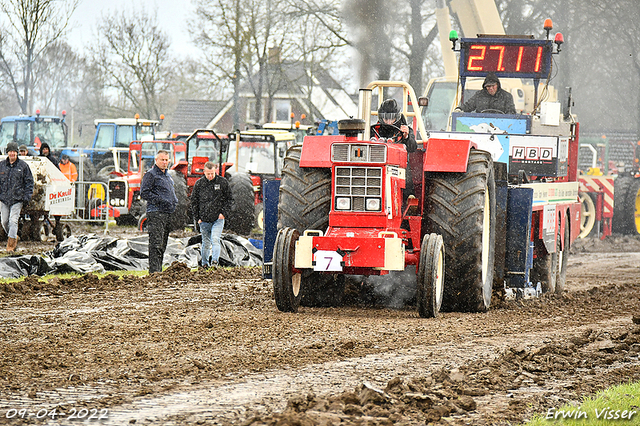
[[388, 112]]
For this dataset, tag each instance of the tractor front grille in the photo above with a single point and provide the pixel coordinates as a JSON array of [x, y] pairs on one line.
[[358, 153], [118, 193], [358, 189]]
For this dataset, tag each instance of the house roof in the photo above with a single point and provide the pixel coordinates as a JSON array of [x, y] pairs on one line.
[[191, 114]]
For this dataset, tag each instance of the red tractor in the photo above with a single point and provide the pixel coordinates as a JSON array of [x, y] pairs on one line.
[[472, 224]]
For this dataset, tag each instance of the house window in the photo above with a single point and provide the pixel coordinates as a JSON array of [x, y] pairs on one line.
[[282, 110], [251, 112]]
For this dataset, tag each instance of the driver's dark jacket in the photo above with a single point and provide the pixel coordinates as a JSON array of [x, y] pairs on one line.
[[157, 190], [483, 101], [16, 182], [385, 131]]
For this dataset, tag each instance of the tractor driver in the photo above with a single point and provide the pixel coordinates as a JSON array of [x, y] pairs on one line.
[[392, 124]]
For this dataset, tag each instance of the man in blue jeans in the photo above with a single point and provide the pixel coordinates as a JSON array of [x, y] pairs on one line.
[[16, 189], [157, 190], [211, 202]]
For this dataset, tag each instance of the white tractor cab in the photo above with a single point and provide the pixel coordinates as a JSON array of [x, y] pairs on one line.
[[259, 153]]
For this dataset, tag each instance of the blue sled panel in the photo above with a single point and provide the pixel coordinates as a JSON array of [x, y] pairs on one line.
[[270, 199], [518, 263]]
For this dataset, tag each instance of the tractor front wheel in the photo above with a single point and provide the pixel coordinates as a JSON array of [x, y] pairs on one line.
[[286, 282], [430, 276]]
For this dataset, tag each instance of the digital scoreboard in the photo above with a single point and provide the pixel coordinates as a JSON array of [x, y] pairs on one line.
[[511, 58]]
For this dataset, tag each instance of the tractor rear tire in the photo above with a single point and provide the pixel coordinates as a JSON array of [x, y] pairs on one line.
[[562, 260], [462, 208], [623, 214], [286, 283], [545, 267], [305, 195], [430, 276], [180, 216], [243, 216]]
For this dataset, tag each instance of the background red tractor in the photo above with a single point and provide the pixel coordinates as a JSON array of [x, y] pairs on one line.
[[187, 160]]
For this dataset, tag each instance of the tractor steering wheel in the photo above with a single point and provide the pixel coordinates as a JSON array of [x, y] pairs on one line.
[[398, 131], [493, 110]]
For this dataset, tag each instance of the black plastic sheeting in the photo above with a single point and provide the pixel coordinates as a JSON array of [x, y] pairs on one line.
[[93, 253]]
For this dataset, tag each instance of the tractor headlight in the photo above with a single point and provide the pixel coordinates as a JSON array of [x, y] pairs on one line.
[[373, 204], [113, 201], [343, 203], [121, 202]]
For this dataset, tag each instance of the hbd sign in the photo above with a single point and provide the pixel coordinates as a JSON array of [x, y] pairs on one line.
[[538, 155], [544, 154]]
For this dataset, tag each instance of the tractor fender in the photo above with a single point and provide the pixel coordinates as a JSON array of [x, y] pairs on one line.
[[446, 155]]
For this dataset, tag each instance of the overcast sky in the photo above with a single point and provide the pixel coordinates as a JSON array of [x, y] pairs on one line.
[[173, 16]]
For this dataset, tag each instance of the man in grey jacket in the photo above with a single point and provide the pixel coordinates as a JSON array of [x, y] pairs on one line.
[[16, 189], [492, 98]]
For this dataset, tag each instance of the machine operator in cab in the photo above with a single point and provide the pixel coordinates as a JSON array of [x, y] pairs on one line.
[[392, 125], [492, 98]]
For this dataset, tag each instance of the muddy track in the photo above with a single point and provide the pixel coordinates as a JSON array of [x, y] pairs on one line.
[[210, 347]]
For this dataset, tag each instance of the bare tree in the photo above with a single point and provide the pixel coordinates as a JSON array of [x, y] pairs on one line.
[[58, 78], [132, 52], [225, 40], [32, 26]]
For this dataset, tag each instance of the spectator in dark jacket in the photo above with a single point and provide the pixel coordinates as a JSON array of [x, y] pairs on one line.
[[211, 202], [492, 98], [16, 189], [157, 190], [45, 151]]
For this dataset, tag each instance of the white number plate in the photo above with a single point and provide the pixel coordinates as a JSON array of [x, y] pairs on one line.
[[327, 261]]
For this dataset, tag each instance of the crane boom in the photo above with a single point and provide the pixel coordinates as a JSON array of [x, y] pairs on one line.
[[477, 17]]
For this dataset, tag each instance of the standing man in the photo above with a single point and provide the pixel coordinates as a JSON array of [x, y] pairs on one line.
[[23, 151], [16, 189], [157, 190], [211, 202], [68, 168]]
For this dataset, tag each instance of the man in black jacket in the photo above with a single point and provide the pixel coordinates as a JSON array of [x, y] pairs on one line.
[[157, 190], [211, 202], [492, 98], [16, 189], [45, 151]]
